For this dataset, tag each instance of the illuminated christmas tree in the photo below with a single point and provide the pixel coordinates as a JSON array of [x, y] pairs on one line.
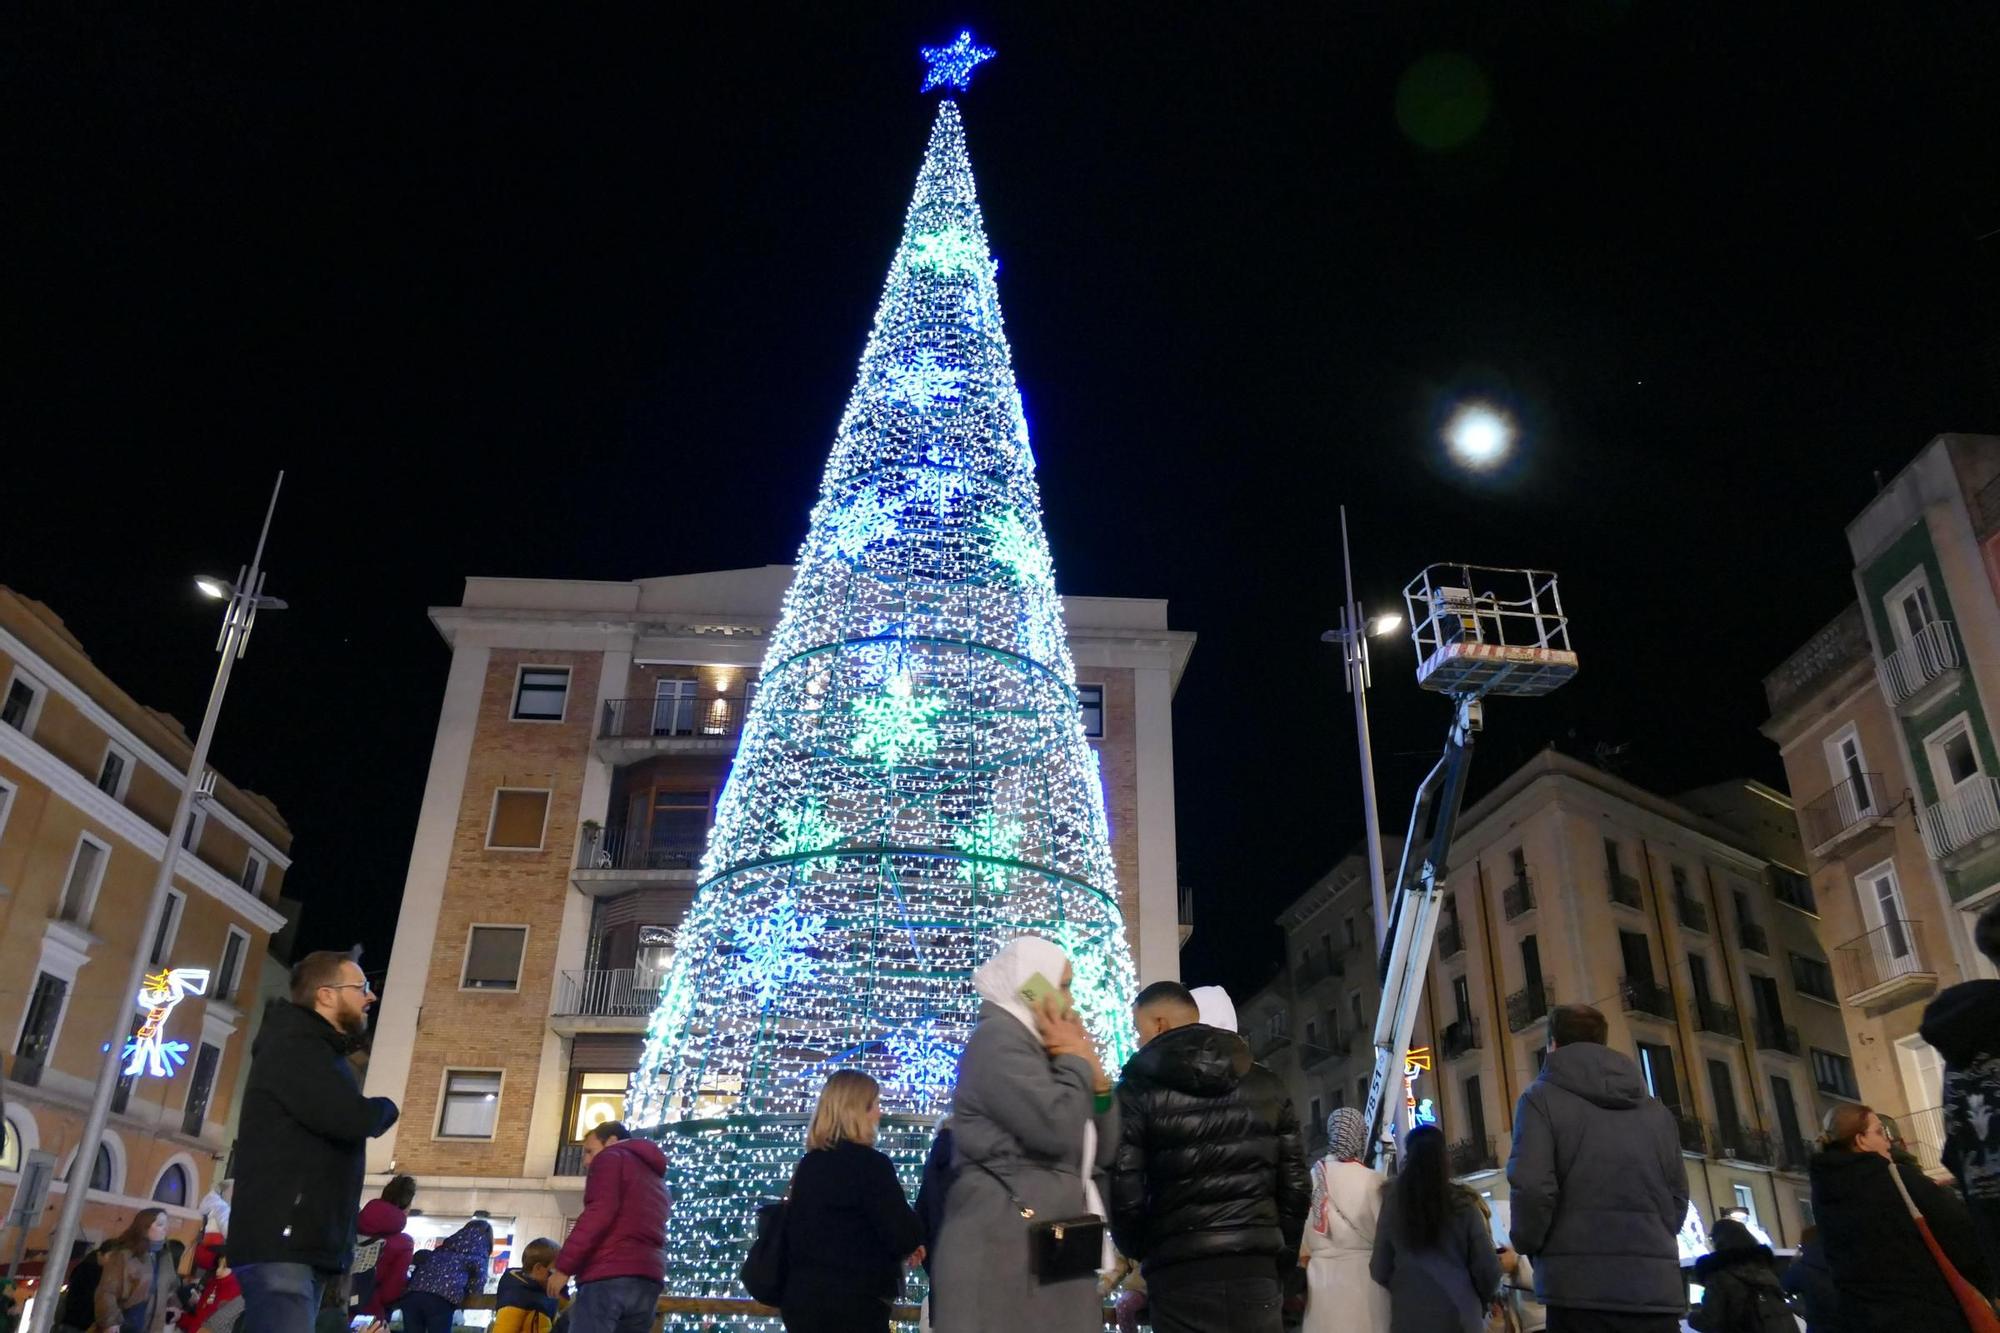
[[913, 787]]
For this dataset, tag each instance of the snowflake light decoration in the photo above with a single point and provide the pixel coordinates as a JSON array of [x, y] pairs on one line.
[[950, 250], [989, 834], [1020, 549], [896, 723], [924, 1059], [773, 955], [864, 521], [805, 828], [925, 380]]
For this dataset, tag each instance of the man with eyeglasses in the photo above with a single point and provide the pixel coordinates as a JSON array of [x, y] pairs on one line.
[[301, 1151]]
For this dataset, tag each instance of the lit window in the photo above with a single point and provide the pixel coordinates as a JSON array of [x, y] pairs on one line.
[[471, 1107], [541, 694], [173, 1186], [493, 958], [600, 1099], [1090, 698], [10, 1152], [518, 819]]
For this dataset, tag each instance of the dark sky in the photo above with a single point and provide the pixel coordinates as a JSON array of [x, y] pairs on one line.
[[580, 295]]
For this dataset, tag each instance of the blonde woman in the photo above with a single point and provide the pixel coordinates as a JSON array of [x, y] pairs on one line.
[[849, 1229]]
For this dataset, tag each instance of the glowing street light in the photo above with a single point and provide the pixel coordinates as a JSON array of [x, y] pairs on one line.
[[1479, 434], [1385, 624]]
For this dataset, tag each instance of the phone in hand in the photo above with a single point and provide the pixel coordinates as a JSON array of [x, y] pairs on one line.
[[1034, 988]]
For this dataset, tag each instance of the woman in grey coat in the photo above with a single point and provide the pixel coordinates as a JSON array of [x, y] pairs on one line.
[[1433, 1250], [1031, 1102]]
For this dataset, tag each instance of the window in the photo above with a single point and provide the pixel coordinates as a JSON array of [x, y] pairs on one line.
[[201, 1086], [86, 872], [1361, 1092], [471, 1104], [191, 834], [1461, 998], [541, 694], [1090, 700], [1882, 910], [1788, 886], [113, 773], [1276, 1025], [230, 974], [252, 878], [653, 959], [1680, 880], [10, 1151], [1316, 1125], [493, 958], [1806, 1210], [1312, 1038], [1812, 977], [1656, 1063], [18, 710], [1475, 1112], [1726, 1118], [1954, 760], [1354, 1010], [1338, 1098], [1612, 858], [1911, 607], [520, 816], [170, 924], [1850, 769], [38, 1029], [1351, 937], [598, 1099], [1834, 1074], [173, 1186], [6, 804], [1788, 1121], [1746, 1200], [101, 1169], [1519, 858]]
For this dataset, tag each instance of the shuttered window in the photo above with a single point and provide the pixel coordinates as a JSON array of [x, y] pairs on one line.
[[493, 958], [518, 818]]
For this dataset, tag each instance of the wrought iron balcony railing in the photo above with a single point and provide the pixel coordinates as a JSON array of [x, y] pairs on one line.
[[1518, 897], [633, 849], [1624, 889], [1856, 804], [1742, 1145], [1887, 962], [1643, 995], [669, 717], [1778, 1037], [1930, 653], [1753, 938], [1451, 940], [1469, 1155], [1528, 1004], [1961, 818], [1692, 912], [1715, 1016], [1459, 1037], [1694, 1135]]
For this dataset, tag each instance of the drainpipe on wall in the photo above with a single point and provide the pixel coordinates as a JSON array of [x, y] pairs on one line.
[[1502, 1055]]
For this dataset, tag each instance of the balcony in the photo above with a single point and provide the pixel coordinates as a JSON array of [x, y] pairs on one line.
[[1753, 938], [1314, 1054], [614, 860], [1795, 1155], [1694, 1135], [1270, 1044], [605, 1000], [1780, 1037], [1961, 822], [1752, 1147], [1518, 897], [1916, 674], [1643, 995], [1624, 890], [1884, 968], [1855, 807], [1528, 1004], [1693, 914], [1717, 1017], [1451, 940], [1459, 1038], [1470, 1156], [633, 729], [1315, 969], [1922, 1132]]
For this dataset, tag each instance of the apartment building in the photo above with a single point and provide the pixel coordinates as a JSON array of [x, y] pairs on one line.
[[585, 734], [1688, 923], [1885, 722], [89, 779]]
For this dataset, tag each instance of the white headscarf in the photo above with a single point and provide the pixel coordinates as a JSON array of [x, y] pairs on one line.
[[1217, 1009], [999, 979]]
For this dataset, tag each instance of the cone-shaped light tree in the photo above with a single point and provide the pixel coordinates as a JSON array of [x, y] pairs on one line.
[[913, 786]]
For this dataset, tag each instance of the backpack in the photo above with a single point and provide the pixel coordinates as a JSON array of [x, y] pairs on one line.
[[763, 1271], [1769, 1310], [361, 1271]]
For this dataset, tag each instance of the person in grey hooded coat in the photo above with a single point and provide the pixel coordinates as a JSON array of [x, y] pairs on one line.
[[1031, 1099], [1599, 1187]]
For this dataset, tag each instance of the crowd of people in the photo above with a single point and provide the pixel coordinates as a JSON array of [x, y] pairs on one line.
[[1181, 1191]]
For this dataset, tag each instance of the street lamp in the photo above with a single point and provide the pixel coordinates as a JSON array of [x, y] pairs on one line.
[[1353, 634], [245, 597], [1479, 434]]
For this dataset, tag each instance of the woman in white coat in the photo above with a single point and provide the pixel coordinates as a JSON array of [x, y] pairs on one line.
[[1340, 1235]]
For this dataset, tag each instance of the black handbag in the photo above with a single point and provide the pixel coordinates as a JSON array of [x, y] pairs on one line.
[[763, 1271], [1060, 1250]]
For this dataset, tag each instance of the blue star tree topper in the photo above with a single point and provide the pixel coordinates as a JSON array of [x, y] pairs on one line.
[[952, 66]]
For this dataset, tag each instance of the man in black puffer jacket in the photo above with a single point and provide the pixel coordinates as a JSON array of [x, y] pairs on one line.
[[1209, 1190]]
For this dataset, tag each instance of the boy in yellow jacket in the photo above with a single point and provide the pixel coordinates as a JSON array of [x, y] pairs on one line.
[[522, 1303]]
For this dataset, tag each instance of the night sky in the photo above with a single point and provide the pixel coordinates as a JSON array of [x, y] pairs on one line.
[[580, 295]]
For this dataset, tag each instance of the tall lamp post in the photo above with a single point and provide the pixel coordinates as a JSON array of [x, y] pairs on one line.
[[245, 598], [1352, 636]]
